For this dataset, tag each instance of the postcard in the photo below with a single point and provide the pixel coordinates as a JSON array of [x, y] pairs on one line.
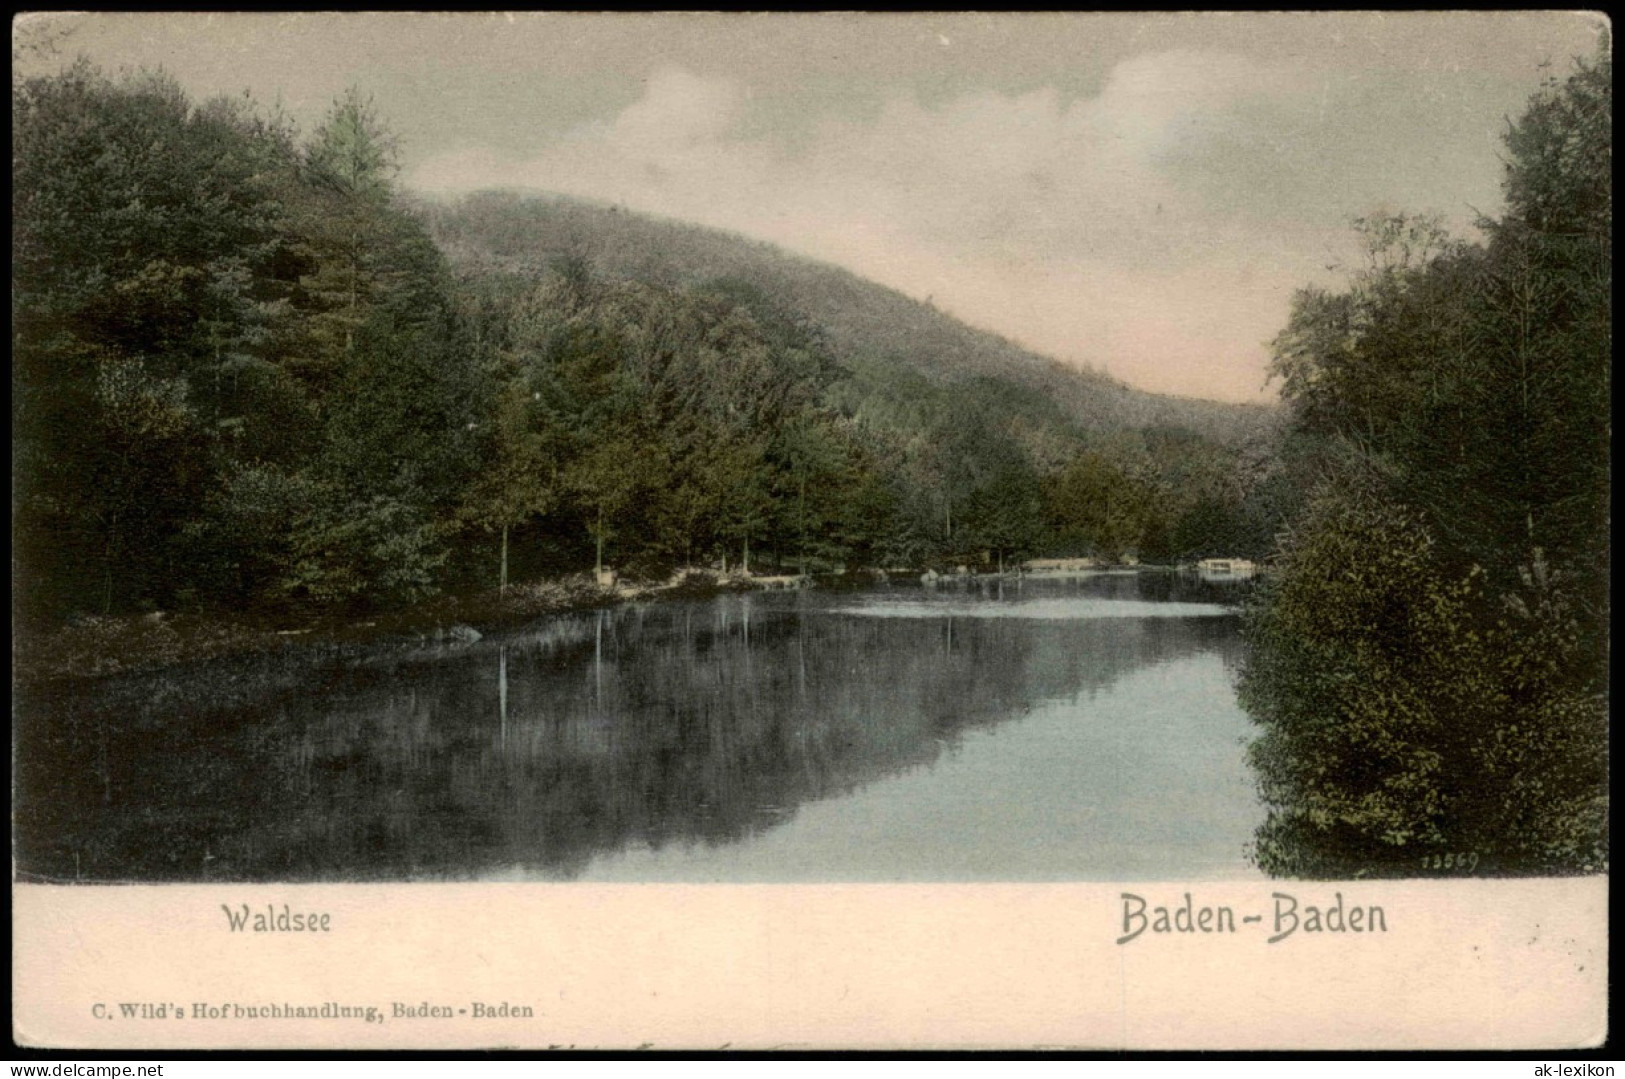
[[820, 531]]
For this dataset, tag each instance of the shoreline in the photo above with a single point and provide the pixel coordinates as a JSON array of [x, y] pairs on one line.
[[95, 647]]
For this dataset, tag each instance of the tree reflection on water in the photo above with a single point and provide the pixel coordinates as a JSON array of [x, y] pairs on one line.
[[703, 722]]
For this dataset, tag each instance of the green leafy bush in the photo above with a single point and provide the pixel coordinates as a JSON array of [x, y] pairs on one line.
[[1408, 712]]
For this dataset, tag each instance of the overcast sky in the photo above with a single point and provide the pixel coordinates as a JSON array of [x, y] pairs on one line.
[[1139, 193]]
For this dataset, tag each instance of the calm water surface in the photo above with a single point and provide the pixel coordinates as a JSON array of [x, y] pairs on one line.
[[1068, 730]]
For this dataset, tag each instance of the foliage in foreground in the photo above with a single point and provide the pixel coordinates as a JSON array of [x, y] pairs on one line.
[[1428, 664], [1407, 715]]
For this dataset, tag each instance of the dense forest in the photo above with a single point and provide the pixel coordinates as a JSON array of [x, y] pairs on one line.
[[251, 374], [1429, 661]]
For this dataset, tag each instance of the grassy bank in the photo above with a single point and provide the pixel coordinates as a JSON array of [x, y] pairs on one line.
[[94, 647]]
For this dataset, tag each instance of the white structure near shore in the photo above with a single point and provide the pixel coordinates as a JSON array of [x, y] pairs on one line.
[[1238, 566], [1061, 566]]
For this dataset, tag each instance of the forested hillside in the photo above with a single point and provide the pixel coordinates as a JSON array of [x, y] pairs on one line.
[[247, 377], [864, 323], [1430, 663]]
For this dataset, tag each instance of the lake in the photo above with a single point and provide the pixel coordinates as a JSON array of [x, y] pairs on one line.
[[1075, 729]]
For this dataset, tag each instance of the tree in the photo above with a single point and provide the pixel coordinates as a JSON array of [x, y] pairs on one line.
[[741, 474], [1404, 715], [1207, 529], [359, 549], [1004, 512], [606, 480], [210, 321], [350, 162], [1429, 664], [811, 469], [145, 242], [1096, 507], [518, 478]]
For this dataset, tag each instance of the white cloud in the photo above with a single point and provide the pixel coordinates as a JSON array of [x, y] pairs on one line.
[[679, 111]]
